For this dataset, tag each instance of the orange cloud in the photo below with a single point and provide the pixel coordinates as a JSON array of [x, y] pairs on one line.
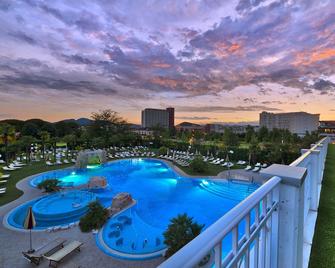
[[307, 58], [157, 64], [165, 82], [223, 49]]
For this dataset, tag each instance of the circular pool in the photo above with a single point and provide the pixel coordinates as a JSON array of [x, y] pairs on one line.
[[56, 209], [63, 205]]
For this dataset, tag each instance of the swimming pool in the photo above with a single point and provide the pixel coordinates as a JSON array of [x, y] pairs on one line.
[[160, 192]]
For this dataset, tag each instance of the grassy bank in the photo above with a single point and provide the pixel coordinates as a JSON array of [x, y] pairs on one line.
[[212, 170], [323, 248], [12, 192]]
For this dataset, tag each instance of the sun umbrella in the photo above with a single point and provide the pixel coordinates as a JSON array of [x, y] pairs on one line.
[[29, 224]]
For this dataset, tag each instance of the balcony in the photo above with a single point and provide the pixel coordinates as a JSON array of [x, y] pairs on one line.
[[273, 227]]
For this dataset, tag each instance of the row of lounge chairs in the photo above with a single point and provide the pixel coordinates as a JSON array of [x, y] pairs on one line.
[[256, 168], [126, 154], [54, 251], [15, 165], [177, 159], [61, 227], [60, 162]]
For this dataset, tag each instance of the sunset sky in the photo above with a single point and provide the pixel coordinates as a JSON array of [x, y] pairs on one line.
[[214, 61]]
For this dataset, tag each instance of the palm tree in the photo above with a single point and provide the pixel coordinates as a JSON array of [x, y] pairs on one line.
[[7, 135], [26, 142], [181, 230], [45, 138]]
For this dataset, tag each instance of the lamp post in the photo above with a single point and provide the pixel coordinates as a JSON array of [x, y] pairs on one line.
[[228, 161]]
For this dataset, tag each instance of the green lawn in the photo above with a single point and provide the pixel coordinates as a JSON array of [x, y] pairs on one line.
[[212, 170], [323, 249], [12, 192]]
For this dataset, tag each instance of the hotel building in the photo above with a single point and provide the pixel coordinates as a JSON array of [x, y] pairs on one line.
[[158, 117], [297, 122]]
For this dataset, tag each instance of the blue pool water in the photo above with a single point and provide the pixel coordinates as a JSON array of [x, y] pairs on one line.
[[160, 192]]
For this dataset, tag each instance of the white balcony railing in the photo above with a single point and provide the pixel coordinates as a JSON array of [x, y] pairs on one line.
[[273, 227]]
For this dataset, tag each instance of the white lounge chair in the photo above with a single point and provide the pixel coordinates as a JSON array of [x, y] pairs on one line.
[[256, 169], [13, 166], [45, 250], [5, 176], [8, 169], [59, 255], [230, 164], [248, 168], [264, 165], [3, 190]]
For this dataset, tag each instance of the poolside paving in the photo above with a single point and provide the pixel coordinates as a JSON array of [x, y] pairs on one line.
[[13, 242]]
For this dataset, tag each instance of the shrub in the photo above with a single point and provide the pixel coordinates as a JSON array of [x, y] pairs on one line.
[[94, 160], [198, 165], [95, 218], [49, 185], [162, 150], [181, 230]]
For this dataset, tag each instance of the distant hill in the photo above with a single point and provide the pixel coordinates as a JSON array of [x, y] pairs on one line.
[[80, 121]]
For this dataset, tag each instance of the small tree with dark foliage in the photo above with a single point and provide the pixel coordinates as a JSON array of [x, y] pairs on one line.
[[181, 230], [198, 165], [95, 218], [49, 185]]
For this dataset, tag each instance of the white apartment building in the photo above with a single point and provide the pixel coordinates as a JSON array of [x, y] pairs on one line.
[[296, 122]]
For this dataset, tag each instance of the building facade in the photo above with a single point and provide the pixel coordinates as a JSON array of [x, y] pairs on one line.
[[158, 117], [327, 129], [297, 122], [219, 128], [187, 126]]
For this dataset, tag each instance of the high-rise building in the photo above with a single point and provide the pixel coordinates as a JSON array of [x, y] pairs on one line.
[[158, 117], [297, 122], [170, 111]]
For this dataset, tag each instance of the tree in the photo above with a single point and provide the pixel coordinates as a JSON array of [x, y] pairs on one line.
[[107, 123], [64, 128], [70, 140], [7, 135], [162, 150], [253, 149], [95, 218], [25, 142], [249, 133], [53, 142], [44, 138], [263, 134], [29, 129], [49, 185], [230, 139], [198, 165], [181, 230]]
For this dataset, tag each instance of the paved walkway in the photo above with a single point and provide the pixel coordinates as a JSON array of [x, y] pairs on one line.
[[13, 242], [243, 175]]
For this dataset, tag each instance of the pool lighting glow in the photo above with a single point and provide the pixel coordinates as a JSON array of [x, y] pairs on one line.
[[204, 182], [73, 173], [92, 166]]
